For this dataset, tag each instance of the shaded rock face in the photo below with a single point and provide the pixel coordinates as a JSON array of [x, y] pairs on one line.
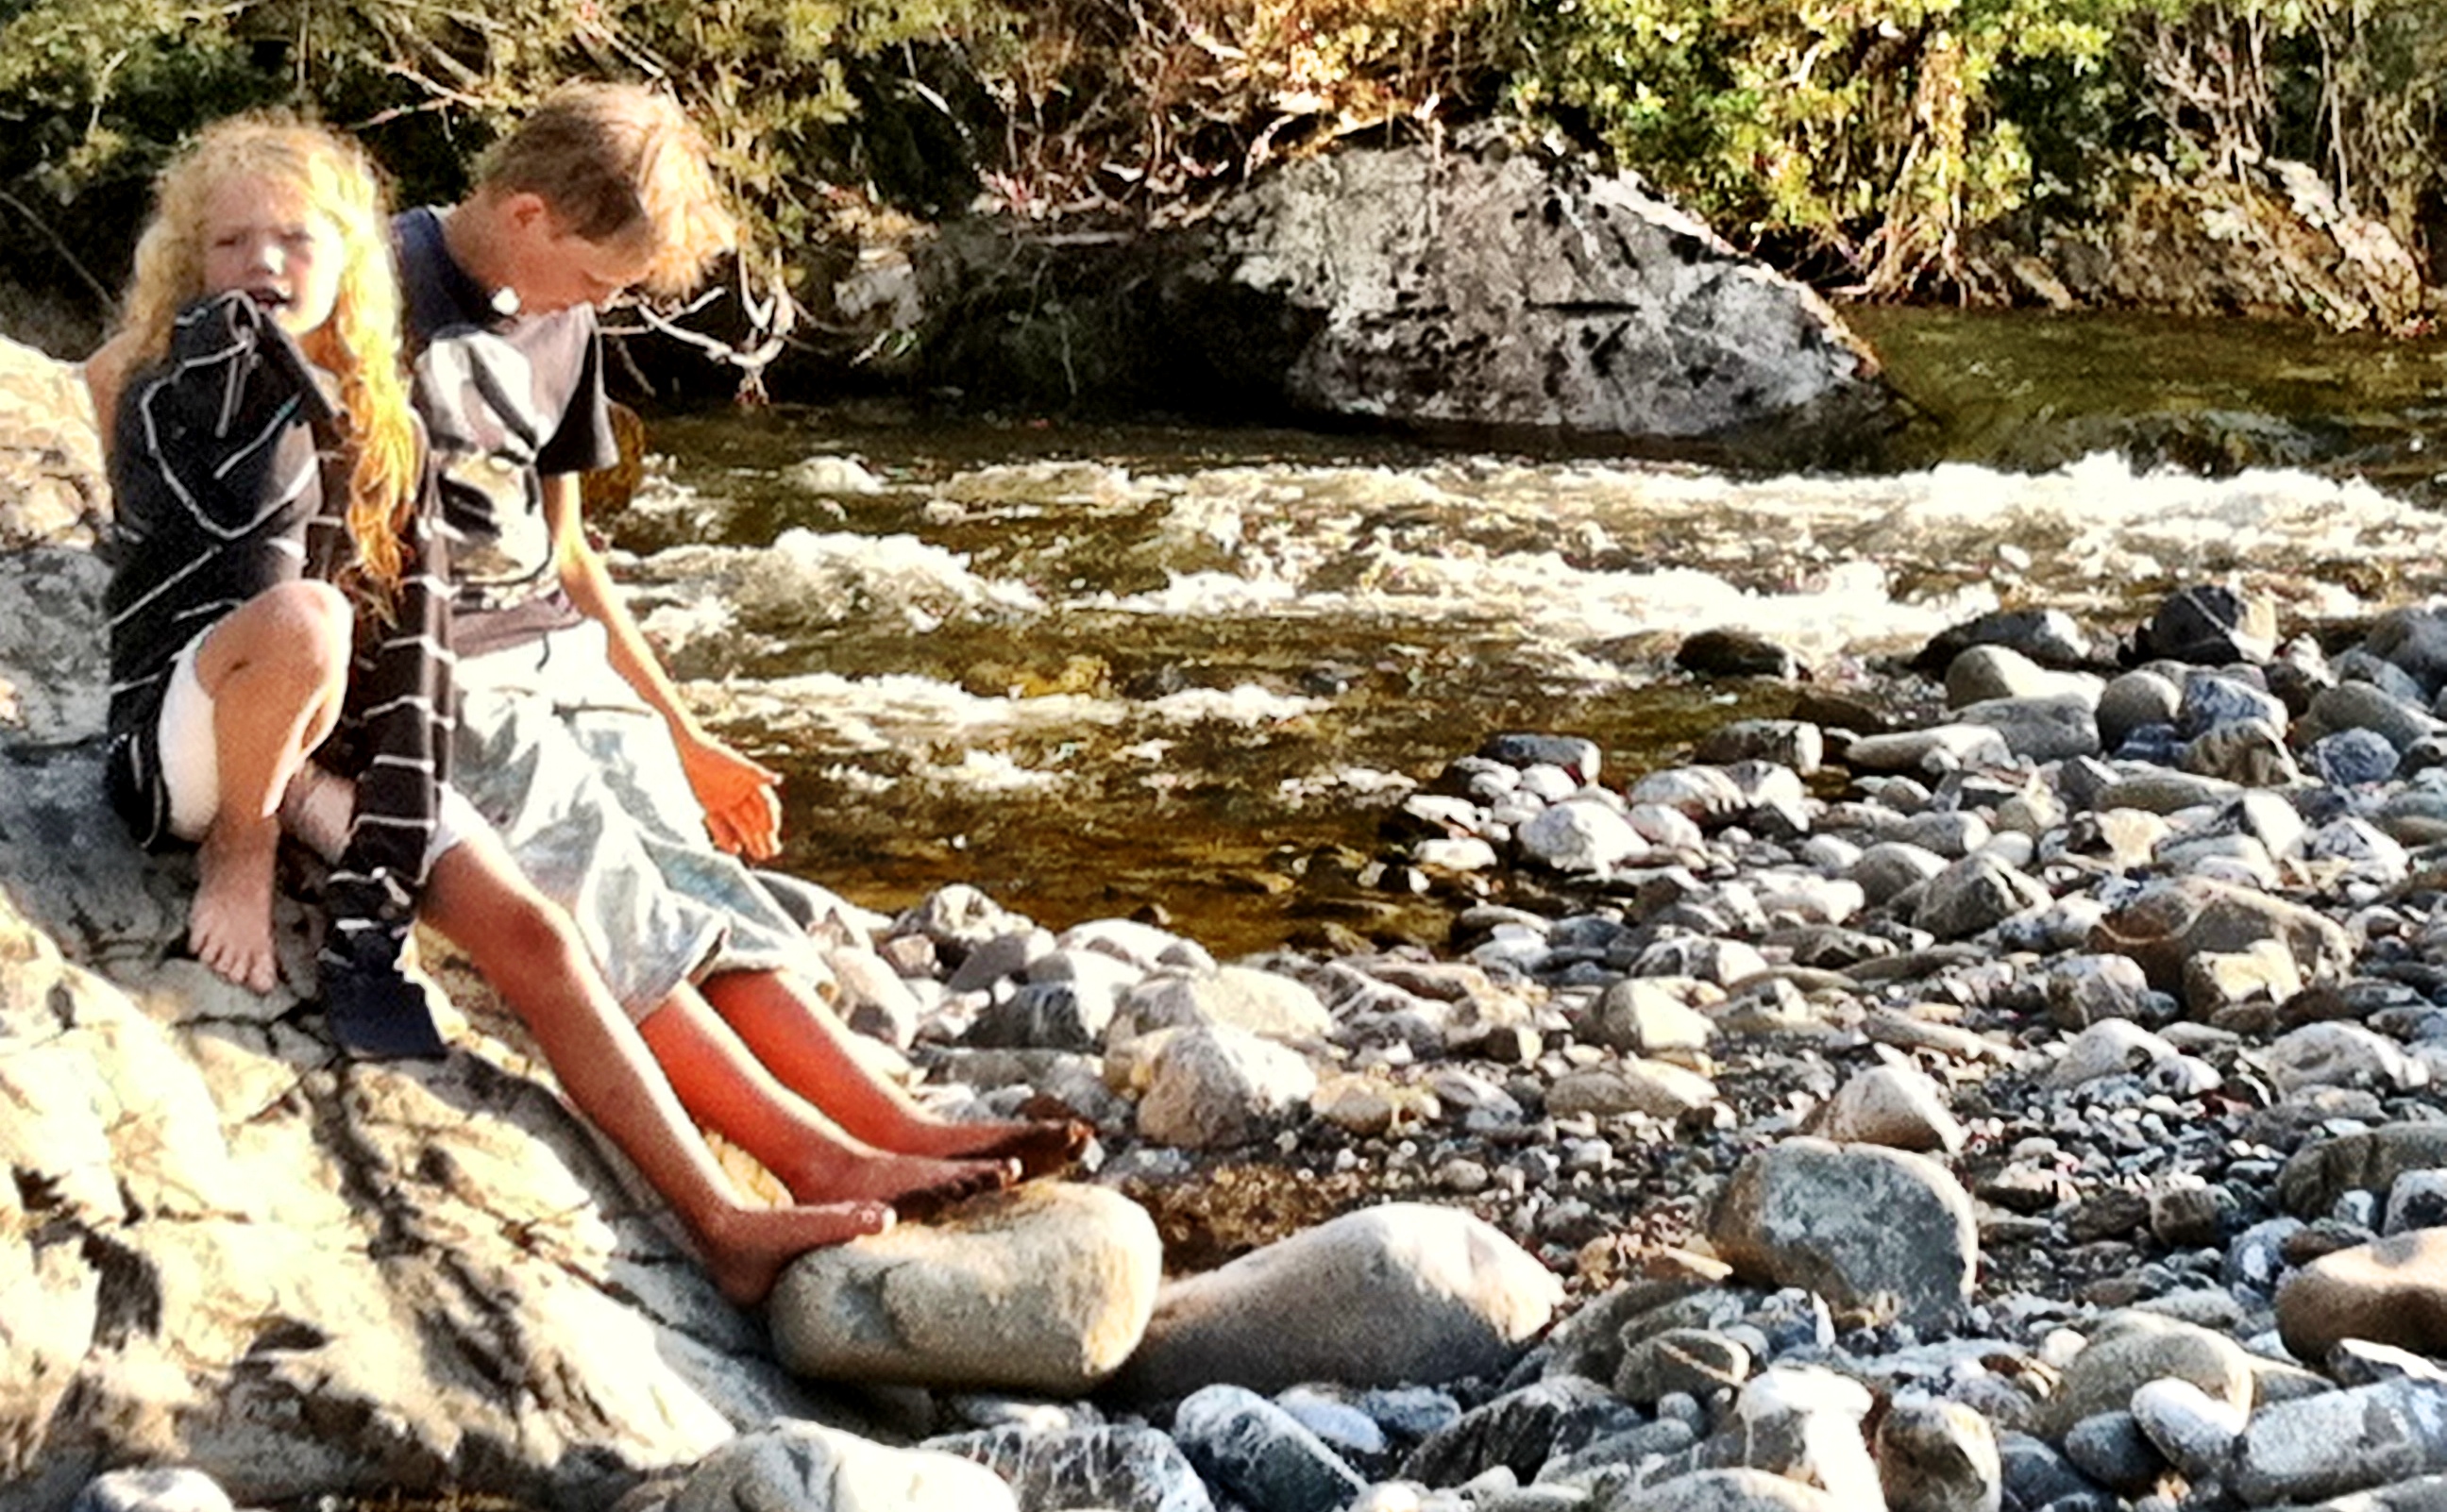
[[1478, 287]]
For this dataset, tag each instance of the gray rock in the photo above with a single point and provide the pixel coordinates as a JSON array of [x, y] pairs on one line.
[[1483, 281], [2211, 699], [1631, 1085], [1975, 894], [2131, 1349], [1791, 742], [2360, 705], [2247, 752], [1218, 1087], [2167, 921], [1062, 1015], [1699, 1362], [2343, 1441], [2111, 1448], [1863, 1226], [1119, 1467], [1897, 1106], [2320, 1173], [2133, 700], [1259, 1454], [2414, 639], [1580, 838], [807, 1467], [1888, 868], [1046, 1288], [1937, 749], [1262, 1002], [1987, 672], [1520, 1431], [2193, 1429], [1938, 1456], [1394, 1294], [2039, 727]]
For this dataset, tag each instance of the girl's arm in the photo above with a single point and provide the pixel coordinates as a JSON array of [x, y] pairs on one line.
[[742, 812]]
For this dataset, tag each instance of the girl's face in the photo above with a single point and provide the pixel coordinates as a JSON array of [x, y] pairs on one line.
[[263, 238]]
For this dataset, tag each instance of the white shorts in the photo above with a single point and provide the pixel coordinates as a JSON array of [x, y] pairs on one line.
[[191, 771]]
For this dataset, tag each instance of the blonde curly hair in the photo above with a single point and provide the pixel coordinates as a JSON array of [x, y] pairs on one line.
[[614, 161], [360, 344]]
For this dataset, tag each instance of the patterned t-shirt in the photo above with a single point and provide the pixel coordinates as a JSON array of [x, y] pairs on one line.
[[508, 401]]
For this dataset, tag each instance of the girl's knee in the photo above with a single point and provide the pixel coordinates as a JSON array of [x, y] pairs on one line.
[[302, 632]]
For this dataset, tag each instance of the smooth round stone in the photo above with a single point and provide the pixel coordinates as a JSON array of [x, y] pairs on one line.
[[799, 1464], [2360, 705], [2412, 639], [2133, 701], [2111, 1448], [2391, 1291], [1045, 1287], [2194, 1430], [1581, 836]]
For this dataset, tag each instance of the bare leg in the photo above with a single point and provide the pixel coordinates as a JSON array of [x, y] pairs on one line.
[[721, 1082], [531, 953], [808, 1049], [276, 669]]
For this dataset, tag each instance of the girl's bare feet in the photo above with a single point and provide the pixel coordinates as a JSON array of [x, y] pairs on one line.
[[746, 1247], [229, 925]]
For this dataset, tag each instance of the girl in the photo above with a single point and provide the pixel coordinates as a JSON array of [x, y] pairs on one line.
[[262, 526]]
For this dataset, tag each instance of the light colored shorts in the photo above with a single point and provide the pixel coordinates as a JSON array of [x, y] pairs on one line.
[[583, 783], [191, 769]]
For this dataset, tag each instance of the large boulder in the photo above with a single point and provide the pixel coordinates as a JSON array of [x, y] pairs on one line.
[[1400, 1292], [1043, 1289], [1482, 282]]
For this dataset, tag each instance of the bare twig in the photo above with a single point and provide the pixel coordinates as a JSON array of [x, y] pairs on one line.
[[58, 245]]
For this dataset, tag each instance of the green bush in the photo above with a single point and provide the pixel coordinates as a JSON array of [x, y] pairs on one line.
[[1864, 138]]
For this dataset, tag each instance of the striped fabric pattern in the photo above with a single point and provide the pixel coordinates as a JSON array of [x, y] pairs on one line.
[[229, 480]]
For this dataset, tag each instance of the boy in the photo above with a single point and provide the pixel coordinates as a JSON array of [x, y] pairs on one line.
[[572, 740]]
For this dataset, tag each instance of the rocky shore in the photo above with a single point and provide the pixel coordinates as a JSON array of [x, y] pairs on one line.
[[2007, 1086]]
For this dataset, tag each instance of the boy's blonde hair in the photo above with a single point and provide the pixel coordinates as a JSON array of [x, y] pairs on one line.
[[614, 160], [363, 347]]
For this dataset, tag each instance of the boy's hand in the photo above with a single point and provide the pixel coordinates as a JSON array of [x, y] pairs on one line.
[[743, 812]]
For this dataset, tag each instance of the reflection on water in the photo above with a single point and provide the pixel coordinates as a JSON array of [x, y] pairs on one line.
[[1096, 668]]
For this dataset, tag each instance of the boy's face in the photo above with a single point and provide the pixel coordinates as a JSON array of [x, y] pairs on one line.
[[553, 268], [262, 238]]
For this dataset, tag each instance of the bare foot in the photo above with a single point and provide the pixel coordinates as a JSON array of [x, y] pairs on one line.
[[229, 926], [746, 1248], [916, 1185], [1042, 1146]]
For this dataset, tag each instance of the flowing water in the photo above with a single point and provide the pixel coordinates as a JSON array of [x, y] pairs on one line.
[[1094, 670]]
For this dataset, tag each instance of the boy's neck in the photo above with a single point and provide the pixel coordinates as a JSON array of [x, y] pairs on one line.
[[471, 233]]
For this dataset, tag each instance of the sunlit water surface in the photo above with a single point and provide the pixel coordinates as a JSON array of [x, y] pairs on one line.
[[1095, 670]]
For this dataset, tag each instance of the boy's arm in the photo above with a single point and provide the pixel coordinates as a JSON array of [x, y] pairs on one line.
[[742, 812]]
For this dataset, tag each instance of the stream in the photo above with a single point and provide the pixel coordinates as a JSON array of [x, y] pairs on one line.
[[1105, 669]]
